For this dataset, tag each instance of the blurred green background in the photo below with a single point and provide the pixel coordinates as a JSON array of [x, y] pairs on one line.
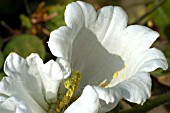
[[25, 26]]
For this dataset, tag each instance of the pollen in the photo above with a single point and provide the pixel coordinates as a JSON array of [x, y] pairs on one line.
[[71, 84], [115, 75]]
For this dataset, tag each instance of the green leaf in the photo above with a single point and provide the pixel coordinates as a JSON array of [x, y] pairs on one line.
[[166, 51], [134, 8], [24, 45], [25, 21], [161, 18], [1, 60], [157, 72]]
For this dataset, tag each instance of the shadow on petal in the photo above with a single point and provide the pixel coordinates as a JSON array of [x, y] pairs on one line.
[[93, 60]]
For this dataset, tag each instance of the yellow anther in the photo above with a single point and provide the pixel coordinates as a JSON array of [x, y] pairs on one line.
[[126, 66], [104, 83], [115, 75], [71, 84]]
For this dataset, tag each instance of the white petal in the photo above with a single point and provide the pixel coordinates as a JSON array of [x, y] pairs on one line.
[[134, 38], [60, 46], [51, 78], [93, 60], [36, 77], [88, 102], [22, 108], [13, 65], [110, 21], [17, 92], [151, 60], [146, 61], [8, 104], [132, 44], [98, 44], [109, 97], [6, 111], [65, 66], [136, 89], [25, 80], [60, 42], [13, 105], [79, 13], [27, 75], [86, 53]]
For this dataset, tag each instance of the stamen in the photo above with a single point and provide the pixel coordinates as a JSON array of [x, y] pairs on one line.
[[104, 83], [115, 75], [71, 84], [126, 66]]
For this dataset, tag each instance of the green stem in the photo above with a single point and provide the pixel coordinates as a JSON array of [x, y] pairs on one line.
[[149, 12], [149, 104]]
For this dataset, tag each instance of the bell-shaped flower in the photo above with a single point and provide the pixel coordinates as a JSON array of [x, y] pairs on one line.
[[114, 59], [32, 87]]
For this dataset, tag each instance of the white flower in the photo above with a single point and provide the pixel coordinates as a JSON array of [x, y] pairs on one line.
[[115, 61], [108, 53], [32, 87], [30, 84]]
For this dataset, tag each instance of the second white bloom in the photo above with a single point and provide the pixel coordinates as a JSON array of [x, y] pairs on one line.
[[107, 53]]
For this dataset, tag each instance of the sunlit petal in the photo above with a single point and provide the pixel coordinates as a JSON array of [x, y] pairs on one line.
[[108, 53], [31, 84]]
